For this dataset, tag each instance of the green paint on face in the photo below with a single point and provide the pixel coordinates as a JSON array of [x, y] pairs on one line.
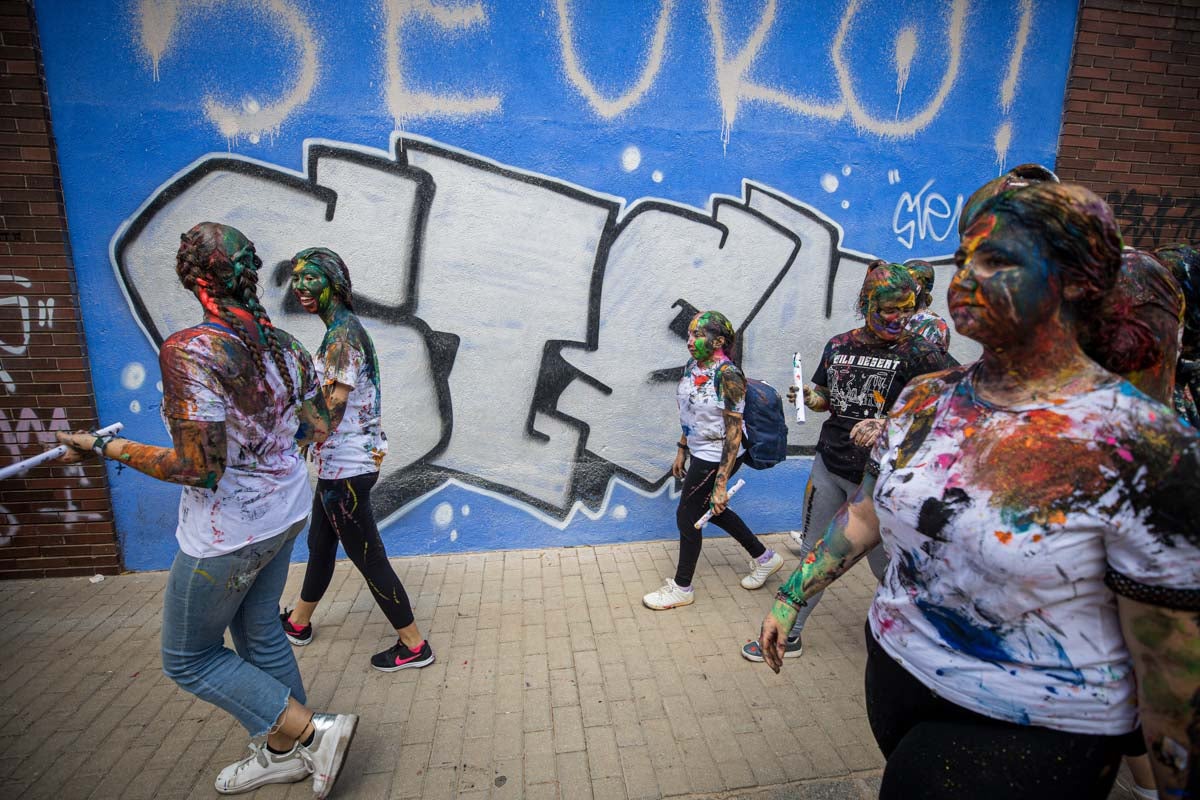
[[312, 288]]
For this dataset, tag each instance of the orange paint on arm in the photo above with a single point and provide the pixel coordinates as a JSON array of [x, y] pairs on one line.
[[1004, 536]]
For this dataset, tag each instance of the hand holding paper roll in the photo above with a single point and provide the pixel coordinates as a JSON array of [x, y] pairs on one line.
[[700, 523]]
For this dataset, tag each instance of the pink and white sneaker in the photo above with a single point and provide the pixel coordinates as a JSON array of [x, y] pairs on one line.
[[399, 657]]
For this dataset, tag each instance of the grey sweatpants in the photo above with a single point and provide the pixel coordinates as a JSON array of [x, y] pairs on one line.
[[823, 496]]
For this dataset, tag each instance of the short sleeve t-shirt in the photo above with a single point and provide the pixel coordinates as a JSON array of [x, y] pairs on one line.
[[931, 327], [702, 404], [1000, 524], [864, 380], [357, 447], [210, 376]]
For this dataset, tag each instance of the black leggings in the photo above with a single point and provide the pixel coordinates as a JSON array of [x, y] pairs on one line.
[[342, 510], [936, 749], [693, 503]]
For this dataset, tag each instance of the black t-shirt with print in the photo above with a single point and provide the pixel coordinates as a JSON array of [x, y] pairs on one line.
[[864, 379]]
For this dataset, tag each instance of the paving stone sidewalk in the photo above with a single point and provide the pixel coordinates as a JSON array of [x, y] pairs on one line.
[[552, 681]]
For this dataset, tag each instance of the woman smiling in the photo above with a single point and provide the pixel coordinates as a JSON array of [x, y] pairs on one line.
[[1043, 544]]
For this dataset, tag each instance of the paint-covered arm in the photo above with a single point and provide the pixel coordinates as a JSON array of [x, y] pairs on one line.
[[1165, 644], [851, 535], [197, 457], [315, 425], [336, 395], [733, 392]]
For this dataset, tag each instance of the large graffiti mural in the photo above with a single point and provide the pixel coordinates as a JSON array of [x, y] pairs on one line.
[[533, 198]]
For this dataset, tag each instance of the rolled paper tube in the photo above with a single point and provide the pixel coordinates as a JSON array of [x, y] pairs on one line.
[[798, 380], [700, 523], [13, 470]]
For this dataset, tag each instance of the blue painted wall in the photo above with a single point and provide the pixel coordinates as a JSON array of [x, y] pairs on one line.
[[529, 195]]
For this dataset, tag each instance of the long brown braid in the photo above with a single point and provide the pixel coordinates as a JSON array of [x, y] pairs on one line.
[[224, 280]]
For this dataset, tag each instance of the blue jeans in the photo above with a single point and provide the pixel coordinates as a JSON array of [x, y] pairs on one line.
[[239, 591]]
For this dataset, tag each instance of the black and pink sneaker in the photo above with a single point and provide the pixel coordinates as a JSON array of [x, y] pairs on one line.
[[297, 636], [400, 657]]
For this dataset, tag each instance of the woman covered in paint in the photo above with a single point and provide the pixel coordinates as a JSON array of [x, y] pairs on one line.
[[348, 464], [1038, 512], [711, 396], [239, 398], [925, 321], [860, 375], [1142, 322]]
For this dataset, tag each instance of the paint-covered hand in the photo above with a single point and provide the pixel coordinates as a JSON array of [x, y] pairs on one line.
[[720, 498], [679, 468], [773, 637], [815, 398], [792, 393], [867, 431], [79, 445]]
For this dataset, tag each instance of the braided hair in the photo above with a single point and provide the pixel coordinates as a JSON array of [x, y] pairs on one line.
[[218, 264]]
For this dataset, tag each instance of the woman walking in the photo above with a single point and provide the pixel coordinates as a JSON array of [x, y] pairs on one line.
[[860, 375], [711, 396], [1039, 513], [348, 464], [239, 395]]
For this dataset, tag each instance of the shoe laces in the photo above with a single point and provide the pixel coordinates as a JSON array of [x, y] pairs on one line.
[[259, 754]]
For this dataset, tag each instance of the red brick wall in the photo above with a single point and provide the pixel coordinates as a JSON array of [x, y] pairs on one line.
[[53, 520], [1131, 128]]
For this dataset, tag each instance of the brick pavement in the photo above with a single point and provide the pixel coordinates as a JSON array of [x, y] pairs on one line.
[[552, 680]]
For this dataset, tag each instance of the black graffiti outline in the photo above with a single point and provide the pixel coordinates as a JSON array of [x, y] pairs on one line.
[[590, 474]]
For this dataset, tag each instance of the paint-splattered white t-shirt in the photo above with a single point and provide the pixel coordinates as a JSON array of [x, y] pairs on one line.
[[702, 403], [1000, 525], [210, 376], [357, 447]]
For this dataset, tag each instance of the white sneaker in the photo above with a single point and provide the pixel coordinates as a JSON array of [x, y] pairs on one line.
[[331, 742], [761, 572], [669, 596], [263, 767], [797, 538]]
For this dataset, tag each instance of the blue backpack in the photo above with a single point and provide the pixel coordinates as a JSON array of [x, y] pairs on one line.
[[766, 426]]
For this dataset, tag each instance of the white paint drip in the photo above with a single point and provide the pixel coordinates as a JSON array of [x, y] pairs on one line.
[[631, 158], [465, 510], [1008, 89], [406, 103], [157, 19], [656, 176], [620, 512], [454, 535], [900, 128], [829, 182], [605, 107], [906, 48], [1001, 143], [159, 22], [845, 204], [135, 407], [846, 170]]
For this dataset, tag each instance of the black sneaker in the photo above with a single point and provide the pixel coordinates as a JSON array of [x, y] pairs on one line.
[[297, 636], [400, 657], [792, 648]]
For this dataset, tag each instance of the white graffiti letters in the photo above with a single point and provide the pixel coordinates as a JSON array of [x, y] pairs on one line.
[[405, 102], [926, 215], [602, 105], [159, 24]]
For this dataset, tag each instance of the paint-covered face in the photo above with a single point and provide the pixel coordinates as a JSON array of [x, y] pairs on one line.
[[699, 345], [1003, 289], [311, 288], [888, 314]]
